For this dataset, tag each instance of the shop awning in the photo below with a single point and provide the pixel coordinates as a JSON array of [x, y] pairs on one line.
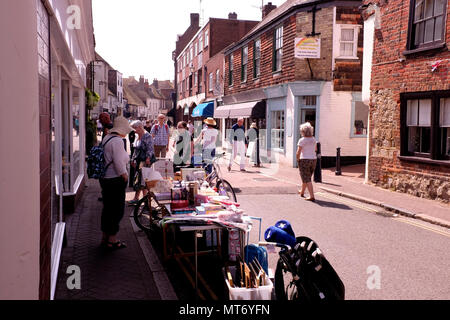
[[204, 110], [254, 109]]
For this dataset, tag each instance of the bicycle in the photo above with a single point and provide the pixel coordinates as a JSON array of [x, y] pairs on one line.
[[215, 179], [304, 274], [152, 208]]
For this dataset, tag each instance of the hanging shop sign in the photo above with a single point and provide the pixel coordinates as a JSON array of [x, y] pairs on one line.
[[307, 48]]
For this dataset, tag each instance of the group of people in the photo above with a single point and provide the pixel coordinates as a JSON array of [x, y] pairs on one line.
[[148, 144]]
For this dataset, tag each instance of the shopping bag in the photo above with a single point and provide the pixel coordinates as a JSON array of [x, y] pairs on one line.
[[250, 149]]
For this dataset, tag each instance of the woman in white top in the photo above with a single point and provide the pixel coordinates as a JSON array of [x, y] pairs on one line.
[[114, 183], [208, 138], [307, 159]]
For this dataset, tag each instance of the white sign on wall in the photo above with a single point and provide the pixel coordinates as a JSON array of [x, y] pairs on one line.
[[307, 48]]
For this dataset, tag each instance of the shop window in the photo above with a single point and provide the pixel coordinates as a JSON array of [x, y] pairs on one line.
[[427, 23], [277, 130], [360, 116]]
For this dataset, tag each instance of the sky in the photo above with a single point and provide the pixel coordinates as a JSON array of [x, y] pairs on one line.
[[137, 37]]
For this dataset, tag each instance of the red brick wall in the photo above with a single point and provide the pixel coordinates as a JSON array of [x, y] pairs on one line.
[[390, 78], [214, 64], [348, 73], [267, 77]]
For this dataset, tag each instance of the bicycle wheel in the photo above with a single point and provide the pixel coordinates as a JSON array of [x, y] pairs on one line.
[[228, 189], [143, 214]]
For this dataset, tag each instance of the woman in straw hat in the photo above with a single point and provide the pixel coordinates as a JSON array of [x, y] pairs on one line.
[[114, 183], [208, 137]]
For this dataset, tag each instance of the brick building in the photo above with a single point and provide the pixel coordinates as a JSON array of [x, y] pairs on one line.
[[272, 80], [200, 64], [44, 58], [408, 86]]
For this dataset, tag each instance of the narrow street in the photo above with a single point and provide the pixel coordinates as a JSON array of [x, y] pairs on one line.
[[410, 254]]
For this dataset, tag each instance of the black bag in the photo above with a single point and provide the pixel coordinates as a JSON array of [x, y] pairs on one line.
[[316, 278]]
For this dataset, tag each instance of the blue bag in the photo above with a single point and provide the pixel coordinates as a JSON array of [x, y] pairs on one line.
[[253, 251], [96, 167]]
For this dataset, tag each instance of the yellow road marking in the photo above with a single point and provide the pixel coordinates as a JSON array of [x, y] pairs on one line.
[[398, 218], [419, 225], [337, 198]]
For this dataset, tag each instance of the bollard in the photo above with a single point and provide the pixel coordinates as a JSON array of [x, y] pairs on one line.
[[258, 160], [338, 162], [318, 170]]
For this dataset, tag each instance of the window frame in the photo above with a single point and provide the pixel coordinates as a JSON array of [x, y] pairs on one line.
[[230, 69], [206, 38], [275, 50], [436, 154], [256, 58], [244, 64], [356, 29], [210, 82], [411, 47]]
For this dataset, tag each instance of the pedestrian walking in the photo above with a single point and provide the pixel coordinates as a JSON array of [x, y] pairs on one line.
[[307, 159], [252, 138], [148, 126], [114, 183], [238, 142], [160, 134], [208, 138], [144, 156], [191, 127], [183, 145]]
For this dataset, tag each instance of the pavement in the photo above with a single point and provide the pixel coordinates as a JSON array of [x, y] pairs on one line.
[[280, 178], [133, 273]]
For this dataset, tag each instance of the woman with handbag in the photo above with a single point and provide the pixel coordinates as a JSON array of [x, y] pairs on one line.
[[144, 155]]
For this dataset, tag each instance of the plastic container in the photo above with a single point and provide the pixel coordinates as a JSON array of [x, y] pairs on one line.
[[261, 293]]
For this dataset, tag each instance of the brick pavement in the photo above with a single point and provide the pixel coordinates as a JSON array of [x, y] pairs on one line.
[[118, 275]]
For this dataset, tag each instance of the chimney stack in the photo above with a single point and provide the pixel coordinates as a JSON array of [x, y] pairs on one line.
[[267, 9], [155, 83], [232, 16], [141, 80], [195, 20]]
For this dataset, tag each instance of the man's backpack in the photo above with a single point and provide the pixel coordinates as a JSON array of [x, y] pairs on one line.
[[157, 128], [96, 167]]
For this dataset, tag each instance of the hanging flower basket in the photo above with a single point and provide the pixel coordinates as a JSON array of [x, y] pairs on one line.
[[92, 98]]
